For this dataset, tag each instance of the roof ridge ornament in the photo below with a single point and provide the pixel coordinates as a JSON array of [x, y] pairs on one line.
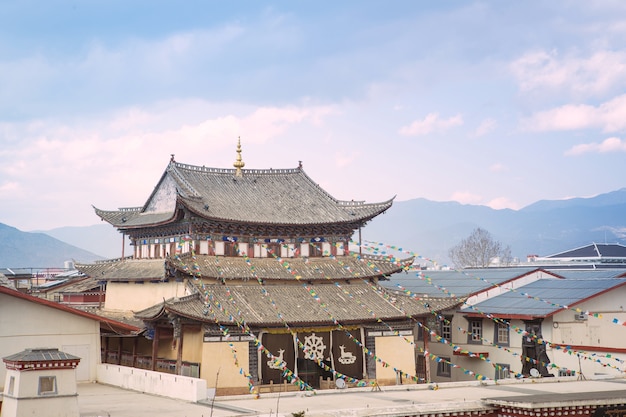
[[239, 162]]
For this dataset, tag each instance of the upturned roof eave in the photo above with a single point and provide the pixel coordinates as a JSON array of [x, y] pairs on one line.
[[384, 206]]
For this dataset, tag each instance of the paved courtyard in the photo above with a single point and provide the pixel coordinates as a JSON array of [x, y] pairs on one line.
[[102, 400]]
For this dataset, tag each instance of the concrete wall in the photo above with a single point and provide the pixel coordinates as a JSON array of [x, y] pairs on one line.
[[157, 383], [397, 353], [25, 324], [218, 357], [132, 296]]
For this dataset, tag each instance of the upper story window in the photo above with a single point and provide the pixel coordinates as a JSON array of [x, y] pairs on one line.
[[445, 328], [316, 249], [501, 336], [475, 331]]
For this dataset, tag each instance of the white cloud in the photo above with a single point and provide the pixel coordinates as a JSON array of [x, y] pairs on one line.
[[609, 116], [497, 167], [502, 203], [599, 73], [431, 124], [8, 187], [608, 145], [465, 197], [486, 126], [72, 157]]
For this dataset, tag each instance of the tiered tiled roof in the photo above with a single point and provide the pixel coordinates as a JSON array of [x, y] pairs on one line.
[[308, 269], [263, 196], [300, 305]]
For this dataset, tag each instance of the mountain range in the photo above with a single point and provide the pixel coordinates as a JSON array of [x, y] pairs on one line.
[[426, 228], [546, 227]]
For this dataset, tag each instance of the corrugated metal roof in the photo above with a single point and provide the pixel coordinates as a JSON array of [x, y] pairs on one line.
[[594, 250], [40, 355], [460, 283], [546, 296], [589, 273]]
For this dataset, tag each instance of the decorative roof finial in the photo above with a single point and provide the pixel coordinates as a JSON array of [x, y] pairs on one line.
[[238, 163]]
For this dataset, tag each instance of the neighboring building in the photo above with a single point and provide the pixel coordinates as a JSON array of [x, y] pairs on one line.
[[244, 277], [514, 320], [27, 321], [574, 323], [592, 256]]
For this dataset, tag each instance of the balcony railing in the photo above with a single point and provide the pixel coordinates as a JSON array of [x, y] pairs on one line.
[[168, 366]]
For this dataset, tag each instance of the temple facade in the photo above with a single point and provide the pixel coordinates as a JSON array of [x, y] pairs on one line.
[[246, 278]]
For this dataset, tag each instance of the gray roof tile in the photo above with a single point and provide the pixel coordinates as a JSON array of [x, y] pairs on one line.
[[261, 305], [268, 196], [323, 268], [125, 270]]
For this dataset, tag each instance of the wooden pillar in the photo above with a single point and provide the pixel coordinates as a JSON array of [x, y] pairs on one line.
[[426, 336], [179, 356], [155, 348], [135, 344], [106, 349], [119, 350]]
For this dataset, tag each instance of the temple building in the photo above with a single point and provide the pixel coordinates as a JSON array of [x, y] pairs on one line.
[[249, 278]]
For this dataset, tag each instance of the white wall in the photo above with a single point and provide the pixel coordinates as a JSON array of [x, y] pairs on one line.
[[134, 297], [25, 324], [157, 383]]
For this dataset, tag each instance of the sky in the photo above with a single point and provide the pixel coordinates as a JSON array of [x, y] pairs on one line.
[[496, 103]]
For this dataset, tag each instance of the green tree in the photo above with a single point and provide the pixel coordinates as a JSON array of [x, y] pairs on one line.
[[478, 250]]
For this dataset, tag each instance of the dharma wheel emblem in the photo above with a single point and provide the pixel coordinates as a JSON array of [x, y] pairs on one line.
[[315, 347]]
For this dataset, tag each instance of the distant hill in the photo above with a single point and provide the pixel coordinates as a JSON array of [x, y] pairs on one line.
[[102, 239], [425, 227], [430, 228], [37, 250]]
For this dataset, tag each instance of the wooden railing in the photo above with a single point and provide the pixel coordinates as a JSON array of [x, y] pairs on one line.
[[168, 366]]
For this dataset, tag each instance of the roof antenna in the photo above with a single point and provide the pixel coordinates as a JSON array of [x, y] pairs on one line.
[[239, 163]]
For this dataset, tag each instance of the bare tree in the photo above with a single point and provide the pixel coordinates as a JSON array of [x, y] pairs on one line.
[[478, 250]]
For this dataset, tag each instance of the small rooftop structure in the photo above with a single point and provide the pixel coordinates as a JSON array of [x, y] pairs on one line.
[[40, 381]]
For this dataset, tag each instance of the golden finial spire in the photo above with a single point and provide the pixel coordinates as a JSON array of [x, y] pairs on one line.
[[238, 163]]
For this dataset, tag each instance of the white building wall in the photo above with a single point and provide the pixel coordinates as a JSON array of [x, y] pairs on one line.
[[25, 324], [132, 296]]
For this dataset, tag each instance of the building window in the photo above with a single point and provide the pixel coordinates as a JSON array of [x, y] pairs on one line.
[[475, 334], [11, 385], [501, 336], [316, 250], [502, 371], [231, 249], [566, 372], [273, 249], [446, 328], [443, 367], [47, 385]]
